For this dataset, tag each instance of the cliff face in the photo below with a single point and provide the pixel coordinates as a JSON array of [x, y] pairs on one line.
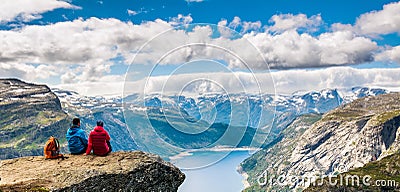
[[120, 171], [274, 159], [348, 137], [29, 114]]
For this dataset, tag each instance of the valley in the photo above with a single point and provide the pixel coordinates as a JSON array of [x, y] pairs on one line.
[[302, 134]]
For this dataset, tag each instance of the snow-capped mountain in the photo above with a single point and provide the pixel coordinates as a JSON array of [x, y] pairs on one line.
[[247, 109], [360, 92], [234, 109], [71, 99], [270, 113]]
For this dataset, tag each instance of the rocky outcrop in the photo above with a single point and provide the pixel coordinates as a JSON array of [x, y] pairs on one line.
[[29, 114], [349, 137], [120, 171], [15, 92]]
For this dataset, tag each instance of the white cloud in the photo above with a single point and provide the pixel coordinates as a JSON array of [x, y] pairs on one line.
[[284, 82], [391, 54], [381, 22], [196, 1], [85, 47], [291, 49], [285, 22], [335, 77], [235, 22], [375, 23], [68, 78], [26, 71], [223, 29], [342, 27], [109, 85], [181, 20], [79, 51], [244, 26], [29, 10], [132, 13], [250, 26]]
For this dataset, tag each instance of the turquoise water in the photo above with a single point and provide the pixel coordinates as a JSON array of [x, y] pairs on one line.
[[218, 177]]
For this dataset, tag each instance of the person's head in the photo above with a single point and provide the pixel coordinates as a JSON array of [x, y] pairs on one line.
[[76, 121], [100, 123]]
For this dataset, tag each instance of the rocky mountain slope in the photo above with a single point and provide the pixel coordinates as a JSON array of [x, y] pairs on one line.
[[29, 114], [274, 159], [348, 137], [120, 171]]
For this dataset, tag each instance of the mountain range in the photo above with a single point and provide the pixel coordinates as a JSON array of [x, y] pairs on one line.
[[185, 122], [311, 133]]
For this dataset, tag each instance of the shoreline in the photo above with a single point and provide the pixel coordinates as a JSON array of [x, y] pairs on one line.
[[244, 175], [214, 149], [245, 183]]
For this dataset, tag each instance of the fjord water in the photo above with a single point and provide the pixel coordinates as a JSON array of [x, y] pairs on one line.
[[220, 176]]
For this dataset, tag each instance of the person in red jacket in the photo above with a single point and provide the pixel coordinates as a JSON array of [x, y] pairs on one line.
[[99, 141]]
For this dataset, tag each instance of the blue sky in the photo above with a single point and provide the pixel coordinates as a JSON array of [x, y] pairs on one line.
[[212, 11], [93, 43]]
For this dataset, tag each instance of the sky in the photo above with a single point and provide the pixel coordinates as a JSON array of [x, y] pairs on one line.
[[200, 46]]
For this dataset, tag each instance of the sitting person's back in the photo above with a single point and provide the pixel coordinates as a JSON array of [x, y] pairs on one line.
[[99, 141], [76, 138]]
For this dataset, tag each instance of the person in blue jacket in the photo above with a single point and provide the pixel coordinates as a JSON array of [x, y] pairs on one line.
[[77, 139]]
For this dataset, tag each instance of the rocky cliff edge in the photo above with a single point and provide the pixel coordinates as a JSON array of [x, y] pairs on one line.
[[120, 171]]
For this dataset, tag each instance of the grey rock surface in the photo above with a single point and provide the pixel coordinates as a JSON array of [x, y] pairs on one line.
[[119, 171]]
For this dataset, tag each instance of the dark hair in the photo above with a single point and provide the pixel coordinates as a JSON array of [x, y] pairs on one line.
[[100, 123], [76, 121]]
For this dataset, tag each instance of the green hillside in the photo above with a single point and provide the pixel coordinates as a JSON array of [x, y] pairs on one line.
[[29, 115]]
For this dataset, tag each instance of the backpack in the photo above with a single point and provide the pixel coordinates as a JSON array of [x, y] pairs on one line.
[[52, 149]]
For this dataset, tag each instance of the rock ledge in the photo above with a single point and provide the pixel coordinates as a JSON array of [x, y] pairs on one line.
[[119, 171]]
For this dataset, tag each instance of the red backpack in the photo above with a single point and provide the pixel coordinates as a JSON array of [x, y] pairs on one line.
[[52, 149]]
